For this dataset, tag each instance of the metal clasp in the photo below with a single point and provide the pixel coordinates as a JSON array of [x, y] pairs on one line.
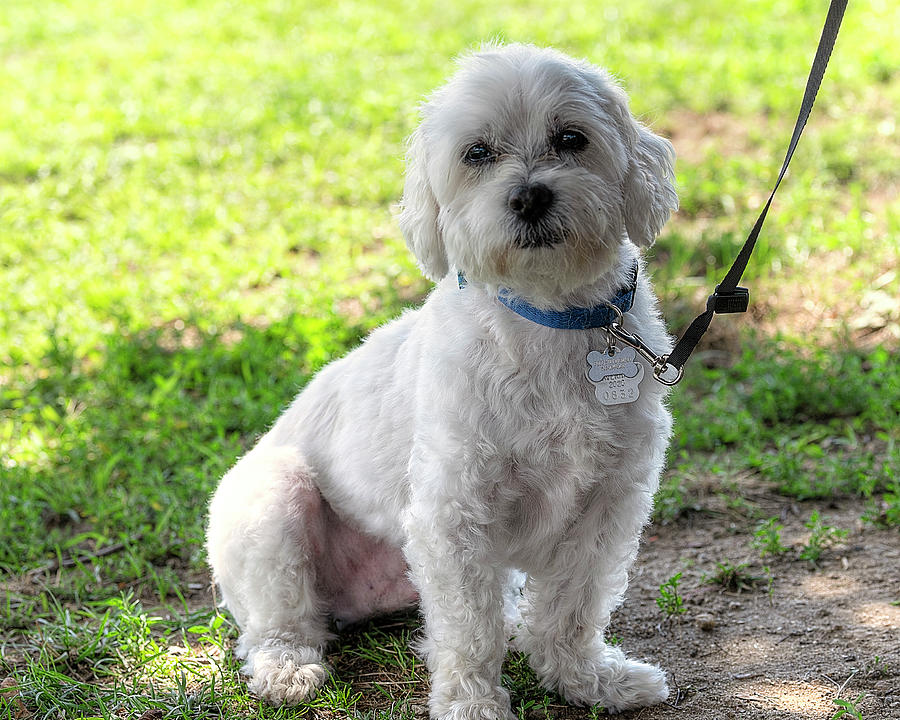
[[660, 363]]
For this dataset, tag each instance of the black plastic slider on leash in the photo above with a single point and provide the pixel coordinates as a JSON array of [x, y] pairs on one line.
[[728, 296], [734, 301]]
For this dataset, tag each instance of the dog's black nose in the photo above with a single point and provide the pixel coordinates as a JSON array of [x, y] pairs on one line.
[[531, 202]]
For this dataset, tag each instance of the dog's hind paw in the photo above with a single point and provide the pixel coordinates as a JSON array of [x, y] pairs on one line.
[[282, 678]]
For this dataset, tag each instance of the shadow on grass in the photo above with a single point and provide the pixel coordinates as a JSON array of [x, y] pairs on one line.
[[123, 442]]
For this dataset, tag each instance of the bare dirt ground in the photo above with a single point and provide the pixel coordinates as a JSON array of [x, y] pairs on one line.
[[783, 649], [825, 631]]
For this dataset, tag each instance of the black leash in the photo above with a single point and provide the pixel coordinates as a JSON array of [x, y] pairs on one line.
[[728, 297]]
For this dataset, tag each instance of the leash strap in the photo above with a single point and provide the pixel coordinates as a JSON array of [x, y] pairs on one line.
[[728, 297]]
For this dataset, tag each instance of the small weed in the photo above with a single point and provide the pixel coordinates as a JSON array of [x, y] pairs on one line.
[[669, 601], [528, 709], [821, 537], [886, 513], [892, 504], [213, 633], [770, 583], [878, 667], [767, 539], [848, 708], [673, 499], [733, 577], [734, 501]]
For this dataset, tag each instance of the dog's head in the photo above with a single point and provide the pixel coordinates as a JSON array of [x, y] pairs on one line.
[[528, 171]]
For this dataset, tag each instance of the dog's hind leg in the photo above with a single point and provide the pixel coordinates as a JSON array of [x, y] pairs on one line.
[[264, 525]]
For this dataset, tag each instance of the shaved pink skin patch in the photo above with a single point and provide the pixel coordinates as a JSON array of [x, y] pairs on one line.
[[361, 576], [357, 575]]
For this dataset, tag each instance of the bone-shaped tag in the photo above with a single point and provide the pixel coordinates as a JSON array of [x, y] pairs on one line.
[[616, 375]]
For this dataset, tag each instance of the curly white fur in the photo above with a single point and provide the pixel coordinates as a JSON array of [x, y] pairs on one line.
[[462, 445]]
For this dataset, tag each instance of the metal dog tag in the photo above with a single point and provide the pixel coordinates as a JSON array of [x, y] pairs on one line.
[[616, 375]]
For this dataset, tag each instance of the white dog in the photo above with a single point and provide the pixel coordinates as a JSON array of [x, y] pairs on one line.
[[466, 443]]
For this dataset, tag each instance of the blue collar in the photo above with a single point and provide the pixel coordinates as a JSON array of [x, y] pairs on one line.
[[578, 318]]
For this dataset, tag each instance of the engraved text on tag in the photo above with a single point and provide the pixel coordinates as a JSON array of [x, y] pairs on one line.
[[616, 375]]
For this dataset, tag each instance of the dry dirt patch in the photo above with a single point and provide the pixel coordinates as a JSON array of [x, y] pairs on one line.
[[825, 631]]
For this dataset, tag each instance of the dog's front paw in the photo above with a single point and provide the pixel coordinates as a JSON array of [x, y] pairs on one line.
[[476, 710], [283, 677], [633, 684], [614, 681]]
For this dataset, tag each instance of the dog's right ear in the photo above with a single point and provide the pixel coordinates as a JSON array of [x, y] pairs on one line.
[[419, 213]]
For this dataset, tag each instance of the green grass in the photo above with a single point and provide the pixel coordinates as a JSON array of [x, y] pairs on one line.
[[195, 215], [816, 422]]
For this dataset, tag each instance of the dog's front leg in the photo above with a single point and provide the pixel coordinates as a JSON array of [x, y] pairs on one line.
[[566, 608], [460, 598]]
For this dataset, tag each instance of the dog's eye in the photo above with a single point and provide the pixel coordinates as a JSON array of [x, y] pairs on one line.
[[569, 140], [478, 154]]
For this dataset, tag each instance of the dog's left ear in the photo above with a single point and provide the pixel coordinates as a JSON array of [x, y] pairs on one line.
[[419, 213], [649, 187]]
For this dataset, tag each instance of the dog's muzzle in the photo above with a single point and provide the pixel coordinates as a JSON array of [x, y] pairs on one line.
[[530, 204]]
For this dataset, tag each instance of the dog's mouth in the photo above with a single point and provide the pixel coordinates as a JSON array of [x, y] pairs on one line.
[[546, 231], [536, 238]]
